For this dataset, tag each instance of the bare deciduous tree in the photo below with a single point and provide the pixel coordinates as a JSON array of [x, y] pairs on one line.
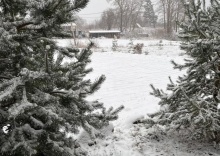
[[122, 6], [172, 12], [128, 13], [107, 19]]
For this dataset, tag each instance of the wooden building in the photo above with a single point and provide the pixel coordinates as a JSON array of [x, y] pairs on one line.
[[104, 33]]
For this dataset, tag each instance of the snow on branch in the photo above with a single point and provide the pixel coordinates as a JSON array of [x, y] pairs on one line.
[[25, 73], [20, 107], [9, 87]]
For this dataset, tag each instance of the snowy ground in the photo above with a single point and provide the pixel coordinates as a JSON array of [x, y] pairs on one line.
[[128, 83]]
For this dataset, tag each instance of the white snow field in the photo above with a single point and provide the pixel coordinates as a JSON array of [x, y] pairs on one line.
[[128, 83]]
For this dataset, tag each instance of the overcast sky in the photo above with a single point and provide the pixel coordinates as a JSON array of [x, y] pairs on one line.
[[94, 9]]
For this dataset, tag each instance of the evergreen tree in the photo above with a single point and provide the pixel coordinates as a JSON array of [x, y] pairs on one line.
[[115, 43], [149, 15], [192, 102], [41, 97], [131, 46]]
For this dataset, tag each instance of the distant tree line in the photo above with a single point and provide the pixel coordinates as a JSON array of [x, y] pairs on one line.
[[129, 14], [171, 12]]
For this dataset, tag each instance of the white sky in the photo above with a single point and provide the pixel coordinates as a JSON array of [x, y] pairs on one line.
[[94, 9]]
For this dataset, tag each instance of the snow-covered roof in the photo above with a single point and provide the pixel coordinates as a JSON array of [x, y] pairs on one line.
[[104, 31], [69, 24]]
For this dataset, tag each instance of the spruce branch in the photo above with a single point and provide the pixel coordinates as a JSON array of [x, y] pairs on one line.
[[9, 87], [97, 84], [59, 92], [189, 100], [46, 62], [20, 27], [5, 77], [80, 4], [57, 5]]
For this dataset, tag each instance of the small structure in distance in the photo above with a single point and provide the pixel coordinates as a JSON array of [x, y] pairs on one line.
[[104, 33], [73, 29], [142, 31]]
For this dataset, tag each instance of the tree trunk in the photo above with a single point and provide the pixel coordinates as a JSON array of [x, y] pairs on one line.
[[121, 20], [164, 14], [169, 17]]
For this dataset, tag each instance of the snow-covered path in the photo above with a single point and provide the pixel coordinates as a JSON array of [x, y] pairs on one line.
[[128, 82]]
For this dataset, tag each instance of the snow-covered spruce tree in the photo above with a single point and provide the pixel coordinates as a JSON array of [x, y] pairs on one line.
[[131, 46], [41, 97], [115, 43], [150, 18], [192, 103]]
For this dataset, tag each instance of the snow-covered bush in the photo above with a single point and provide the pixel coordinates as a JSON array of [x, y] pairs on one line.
[[42, 99], [160, 45], [138, 48], [192, 102], [115, 44]]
